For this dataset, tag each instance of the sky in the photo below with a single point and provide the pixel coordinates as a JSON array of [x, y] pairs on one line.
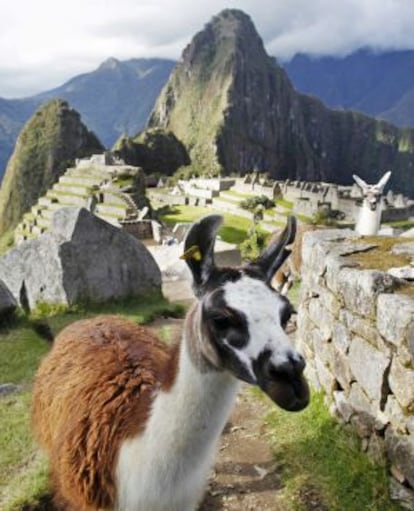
[[43, 43]]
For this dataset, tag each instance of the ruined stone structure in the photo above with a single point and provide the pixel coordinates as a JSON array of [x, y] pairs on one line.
[[310, 197], [101, 184], [356, 330]]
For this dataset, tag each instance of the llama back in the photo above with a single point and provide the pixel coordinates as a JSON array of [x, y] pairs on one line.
[[92, 391]]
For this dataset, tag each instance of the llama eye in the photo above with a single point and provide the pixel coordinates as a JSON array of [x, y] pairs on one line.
[[225, 320], [222, 322], [286, 314]]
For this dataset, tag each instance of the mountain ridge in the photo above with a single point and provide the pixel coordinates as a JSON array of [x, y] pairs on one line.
[[114, 99], [378, 84], [235, 109]]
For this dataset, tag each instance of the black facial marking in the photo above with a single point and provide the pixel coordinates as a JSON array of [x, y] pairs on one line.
[[286, 311], [227, 328], [219, 276]]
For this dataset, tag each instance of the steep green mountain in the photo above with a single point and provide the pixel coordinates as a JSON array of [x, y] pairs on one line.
[[235, 109], [116, 98], [52, 138], [155, 150], [378, 84]]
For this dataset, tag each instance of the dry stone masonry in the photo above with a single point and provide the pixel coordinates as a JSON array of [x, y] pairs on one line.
[[356, 329]]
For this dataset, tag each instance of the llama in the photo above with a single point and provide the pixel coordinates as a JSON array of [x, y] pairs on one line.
[[130, 424], [369, 218]]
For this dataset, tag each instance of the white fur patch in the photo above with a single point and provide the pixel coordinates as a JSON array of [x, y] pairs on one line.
[[166, 468], [262, 308]]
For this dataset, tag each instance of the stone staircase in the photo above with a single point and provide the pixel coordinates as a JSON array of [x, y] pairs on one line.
[[91, 188]]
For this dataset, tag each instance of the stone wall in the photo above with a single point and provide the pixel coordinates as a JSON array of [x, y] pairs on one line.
[[356, 330]]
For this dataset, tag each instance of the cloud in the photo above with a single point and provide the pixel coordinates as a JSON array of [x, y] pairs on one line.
[[45, 42]]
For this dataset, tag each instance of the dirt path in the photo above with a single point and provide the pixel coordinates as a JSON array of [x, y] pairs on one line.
[[245, 476]]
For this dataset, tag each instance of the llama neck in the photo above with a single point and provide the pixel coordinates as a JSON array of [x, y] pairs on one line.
[[201, 397], [368, 221], [181, 434]]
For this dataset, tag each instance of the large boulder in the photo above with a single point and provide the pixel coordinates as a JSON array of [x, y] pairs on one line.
[[82, 259], [7, 302]]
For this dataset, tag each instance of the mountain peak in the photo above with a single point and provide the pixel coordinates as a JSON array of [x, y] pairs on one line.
[[110, 63], [51, 138]]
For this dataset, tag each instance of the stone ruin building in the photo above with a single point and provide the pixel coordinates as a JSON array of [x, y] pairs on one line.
[[102, 184]]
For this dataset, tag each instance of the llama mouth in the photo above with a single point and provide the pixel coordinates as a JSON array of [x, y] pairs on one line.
[[292, 395]]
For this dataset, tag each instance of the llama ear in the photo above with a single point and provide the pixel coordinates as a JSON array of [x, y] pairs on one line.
[[360, 182], [383, 181], [277, 252], [199, 249]]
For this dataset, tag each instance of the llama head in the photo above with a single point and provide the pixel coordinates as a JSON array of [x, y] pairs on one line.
[[372, 193], [242, 319]]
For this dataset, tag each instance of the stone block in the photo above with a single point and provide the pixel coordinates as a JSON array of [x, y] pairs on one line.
[[342, 405], [321, 317], [400, 451], [362, 327], [403, 495], [359, 400], [401, 381], [368, 365], [83, 259], [325, 377], [341, 337], [330, 301], [341, 370], [395, 318], [359, 289], [395, 414], [323, 350]]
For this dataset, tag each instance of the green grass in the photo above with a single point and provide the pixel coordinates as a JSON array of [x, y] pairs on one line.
[[284, 203], [23, 470], [233, 230], [320, 457], [401, 224]]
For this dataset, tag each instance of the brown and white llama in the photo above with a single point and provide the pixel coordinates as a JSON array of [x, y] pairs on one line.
[[369, 218], [130, 424]]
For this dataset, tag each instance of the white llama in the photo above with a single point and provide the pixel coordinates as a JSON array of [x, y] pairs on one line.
[[369, 218]]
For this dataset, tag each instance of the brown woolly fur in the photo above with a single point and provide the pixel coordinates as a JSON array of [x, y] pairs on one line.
[[93, 390]]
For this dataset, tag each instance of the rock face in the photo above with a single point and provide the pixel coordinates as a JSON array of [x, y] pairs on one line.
[[154, 150], [7, 302], [82, 259], [235, 109], [50, 140]]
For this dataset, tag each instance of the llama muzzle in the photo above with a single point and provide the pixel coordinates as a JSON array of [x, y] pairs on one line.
[[284, 382]]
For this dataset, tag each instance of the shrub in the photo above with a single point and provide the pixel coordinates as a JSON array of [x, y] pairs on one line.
[[258, 200]]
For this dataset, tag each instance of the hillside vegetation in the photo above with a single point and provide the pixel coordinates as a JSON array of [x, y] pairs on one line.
[[47, 145]]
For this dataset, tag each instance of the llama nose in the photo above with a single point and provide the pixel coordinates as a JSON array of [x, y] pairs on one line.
[[291, 366]]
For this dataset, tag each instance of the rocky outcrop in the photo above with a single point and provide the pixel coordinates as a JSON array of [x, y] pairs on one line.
[[235, 109], [154, 150], [7, 302], [83, 259], [50, 140], [356, 330]]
